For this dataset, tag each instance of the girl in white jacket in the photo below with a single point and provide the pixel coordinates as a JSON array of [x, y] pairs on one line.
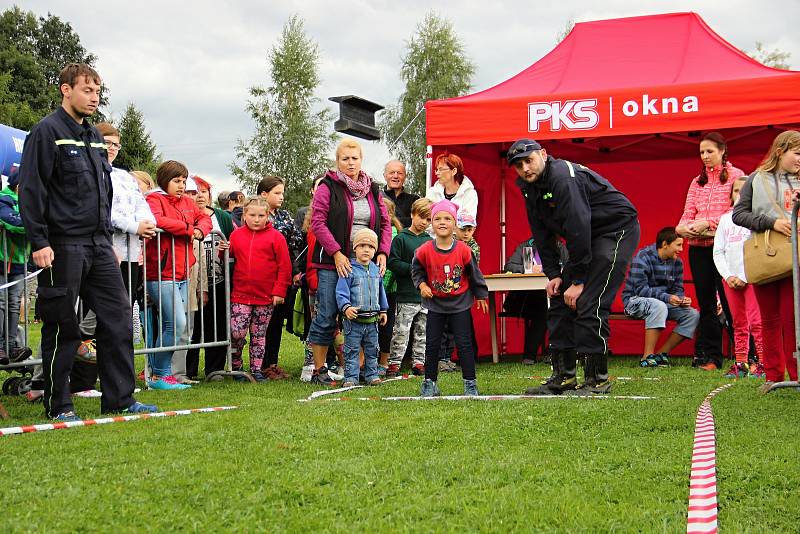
[[729, 260]]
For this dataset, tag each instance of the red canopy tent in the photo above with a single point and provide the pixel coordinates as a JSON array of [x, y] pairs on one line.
[[628, 97]]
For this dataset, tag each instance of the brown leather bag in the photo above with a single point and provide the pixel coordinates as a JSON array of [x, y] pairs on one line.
[[768, 255]]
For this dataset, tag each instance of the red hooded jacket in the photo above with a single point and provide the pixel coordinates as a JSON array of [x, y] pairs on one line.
[[263, 267], [178, 217]]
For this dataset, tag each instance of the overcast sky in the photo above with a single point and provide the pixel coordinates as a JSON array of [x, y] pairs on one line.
[[188, 65]]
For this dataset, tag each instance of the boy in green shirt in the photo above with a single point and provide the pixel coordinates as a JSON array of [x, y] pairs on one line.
[[409, 308]]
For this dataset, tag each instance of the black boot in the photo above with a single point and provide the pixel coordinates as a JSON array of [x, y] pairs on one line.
[[566, 380], [596, 380], [543, 388]]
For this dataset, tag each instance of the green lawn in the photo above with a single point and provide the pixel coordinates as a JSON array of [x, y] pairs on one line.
[[279, 465]]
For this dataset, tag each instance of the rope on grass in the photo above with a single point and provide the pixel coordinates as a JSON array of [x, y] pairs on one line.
[[490, 398], [106, 420], [324, 392], [702, 513]]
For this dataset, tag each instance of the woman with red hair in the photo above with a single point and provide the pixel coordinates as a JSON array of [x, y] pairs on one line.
[[453, 185]]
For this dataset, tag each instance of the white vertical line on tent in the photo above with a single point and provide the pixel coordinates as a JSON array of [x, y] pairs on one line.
[[610, 112], [502, 246], [428, 163]]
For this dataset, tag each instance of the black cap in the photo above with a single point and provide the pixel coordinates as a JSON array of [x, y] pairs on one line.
[[520, 149], [235, 196]]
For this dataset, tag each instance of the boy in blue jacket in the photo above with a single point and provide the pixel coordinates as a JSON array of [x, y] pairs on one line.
[[362, 300]]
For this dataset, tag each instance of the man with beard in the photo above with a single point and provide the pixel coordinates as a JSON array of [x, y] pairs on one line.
[[599, 226]]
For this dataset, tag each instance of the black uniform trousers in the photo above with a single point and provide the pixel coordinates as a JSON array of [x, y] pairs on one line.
[[586, 330], [92, 273]]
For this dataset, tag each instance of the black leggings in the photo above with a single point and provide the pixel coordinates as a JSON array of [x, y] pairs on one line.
[[460, 325], [707, 285], [275, 332]]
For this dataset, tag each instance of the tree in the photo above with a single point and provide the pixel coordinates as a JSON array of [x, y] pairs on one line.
[[291, 139], [434, 66], [771, 58], [565, 30], [138, 151], [33, 51]]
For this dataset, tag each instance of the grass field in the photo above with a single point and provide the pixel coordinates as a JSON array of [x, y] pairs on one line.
[[278, 465]]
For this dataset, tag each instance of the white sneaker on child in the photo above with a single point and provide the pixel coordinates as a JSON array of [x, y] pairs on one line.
[[306, 373]]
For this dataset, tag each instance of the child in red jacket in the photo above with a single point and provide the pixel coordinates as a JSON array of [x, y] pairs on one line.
[[261, 275]]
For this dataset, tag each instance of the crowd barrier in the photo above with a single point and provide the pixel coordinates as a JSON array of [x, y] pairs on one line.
[[151, 305]]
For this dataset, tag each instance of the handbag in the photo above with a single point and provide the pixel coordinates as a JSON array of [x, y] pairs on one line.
[[767, 255]]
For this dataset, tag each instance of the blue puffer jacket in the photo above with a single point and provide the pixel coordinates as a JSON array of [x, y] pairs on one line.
[[363, 288]]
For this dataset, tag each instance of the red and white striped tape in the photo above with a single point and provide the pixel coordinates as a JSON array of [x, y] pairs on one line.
[[702, 514], [105, 420], [488, 398]]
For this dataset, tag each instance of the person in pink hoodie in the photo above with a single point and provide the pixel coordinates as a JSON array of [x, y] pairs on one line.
[[709, 196], [262, 273]]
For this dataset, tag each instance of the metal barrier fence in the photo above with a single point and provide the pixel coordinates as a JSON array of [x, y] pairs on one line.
[[16, 295], [208, 275], [15, 305]]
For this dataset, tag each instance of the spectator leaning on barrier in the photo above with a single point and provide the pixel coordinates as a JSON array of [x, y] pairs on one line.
[[654, 292], [166, 270], [600, 227], [394, 172], [213, 315], [65, 202], [14, 251], [131, 217]]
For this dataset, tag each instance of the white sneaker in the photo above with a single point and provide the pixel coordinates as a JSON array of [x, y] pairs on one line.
[[306, 373], [335, 376]]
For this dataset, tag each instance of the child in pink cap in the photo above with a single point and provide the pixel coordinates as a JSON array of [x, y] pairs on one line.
[[449, 280]]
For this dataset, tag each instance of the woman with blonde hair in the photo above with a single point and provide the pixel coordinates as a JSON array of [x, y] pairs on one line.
[[765, 203], [346, 201]]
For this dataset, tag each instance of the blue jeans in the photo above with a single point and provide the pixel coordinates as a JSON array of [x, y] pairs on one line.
[[323, 325], [171, 309], [357, 335], [14, 298], [655, 313]]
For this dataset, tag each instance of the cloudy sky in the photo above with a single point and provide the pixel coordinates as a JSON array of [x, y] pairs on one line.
[[188, 65]]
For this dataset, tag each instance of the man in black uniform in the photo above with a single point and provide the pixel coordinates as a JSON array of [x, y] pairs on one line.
[[65, 203], [599, 224]]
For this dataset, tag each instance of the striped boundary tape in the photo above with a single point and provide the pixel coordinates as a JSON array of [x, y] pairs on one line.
[[487, 398], [116, 419], [702, 512]]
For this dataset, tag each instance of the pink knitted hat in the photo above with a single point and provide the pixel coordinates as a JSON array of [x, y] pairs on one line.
[[444, 205]]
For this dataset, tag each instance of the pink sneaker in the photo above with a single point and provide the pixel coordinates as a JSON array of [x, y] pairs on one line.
[[171, 380]]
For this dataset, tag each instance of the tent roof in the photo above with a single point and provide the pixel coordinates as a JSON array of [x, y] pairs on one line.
[[667, 55]]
